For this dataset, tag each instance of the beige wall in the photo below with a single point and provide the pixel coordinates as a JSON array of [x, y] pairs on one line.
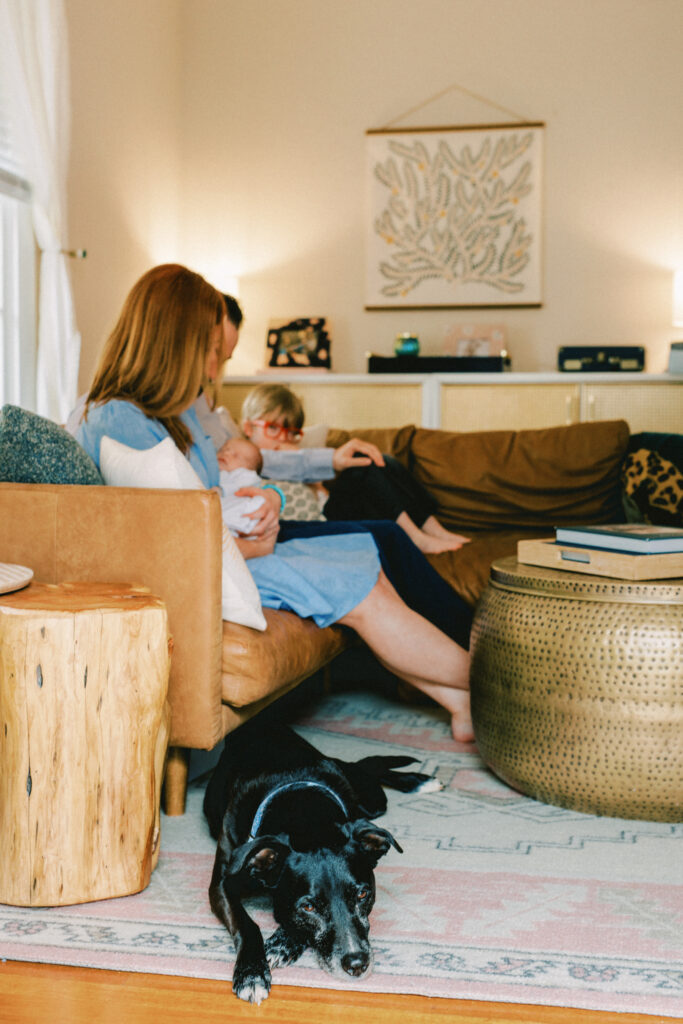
[[229, 134], [126, 62]]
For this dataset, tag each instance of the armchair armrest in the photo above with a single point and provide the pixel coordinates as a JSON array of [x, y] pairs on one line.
[[169, 541]]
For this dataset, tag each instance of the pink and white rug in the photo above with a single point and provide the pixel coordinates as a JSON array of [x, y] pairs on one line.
[[496, 896]]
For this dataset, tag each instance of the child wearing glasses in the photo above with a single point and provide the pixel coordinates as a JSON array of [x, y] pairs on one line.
[[376, 488]]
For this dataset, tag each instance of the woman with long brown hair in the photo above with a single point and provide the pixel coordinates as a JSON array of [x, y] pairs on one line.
[[149, 374]]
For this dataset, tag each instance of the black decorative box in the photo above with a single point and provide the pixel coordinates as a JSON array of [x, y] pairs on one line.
[[437, 364], [597, 359]]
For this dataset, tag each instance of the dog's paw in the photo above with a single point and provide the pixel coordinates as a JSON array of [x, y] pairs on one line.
[[252, 983], [430, 785], [282, 949], [416, 782]]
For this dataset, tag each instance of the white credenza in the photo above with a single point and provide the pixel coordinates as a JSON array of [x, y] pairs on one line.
[[477, 401]]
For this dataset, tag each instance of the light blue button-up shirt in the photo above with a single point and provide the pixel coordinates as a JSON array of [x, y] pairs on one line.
[[126, 423]]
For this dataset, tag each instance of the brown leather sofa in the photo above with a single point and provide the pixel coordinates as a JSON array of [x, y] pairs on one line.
[[495, 487], [501, 486]]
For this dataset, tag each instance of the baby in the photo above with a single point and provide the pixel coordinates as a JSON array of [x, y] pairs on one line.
[[240, 463]]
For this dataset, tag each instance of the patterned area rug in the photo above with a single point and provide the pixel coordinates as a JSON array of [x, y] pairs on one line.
[[496, 896]]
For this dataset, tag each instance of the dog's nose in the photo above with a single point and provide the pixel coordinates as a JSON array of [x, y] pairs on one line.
[[355, 963]]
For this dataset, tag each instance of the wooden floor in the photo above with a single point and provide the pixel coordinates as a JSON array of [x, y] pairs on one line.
[[45, 994]]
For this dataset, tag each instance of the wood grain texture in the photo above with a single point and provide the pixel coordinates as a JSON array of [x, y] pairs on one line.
[[83, 729], [34, 993]]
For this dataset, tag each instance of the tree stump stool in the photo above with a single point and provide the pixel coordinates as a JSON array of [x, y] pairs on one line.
[[84, 725]]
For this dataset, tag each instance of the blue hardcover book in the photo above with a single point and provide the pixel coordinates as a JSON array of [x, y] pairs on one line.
[[637, 538]]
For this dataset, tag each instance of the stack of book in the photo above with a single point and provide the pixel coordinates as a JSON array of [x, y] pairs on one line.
[[625, 551]]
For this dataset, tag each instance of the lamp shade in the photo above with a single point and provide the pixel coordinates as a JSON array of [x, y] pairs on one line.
[[678, 299]]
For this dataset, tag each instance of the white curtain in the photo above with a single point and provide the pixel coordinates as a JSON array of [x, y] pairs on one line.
[[35, 69]]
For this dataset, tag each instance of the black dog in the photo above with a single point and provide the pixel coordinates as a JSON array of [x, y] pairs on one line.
[[295, 823]]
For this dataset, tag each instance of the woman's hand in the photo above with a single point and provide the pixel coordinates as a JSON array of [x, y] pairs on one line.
[[345, 456], [266, 518], [256, 548]]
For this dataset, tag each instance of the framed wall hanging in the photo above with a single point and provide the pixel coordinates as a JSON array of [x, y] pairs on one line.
[[454, 217]]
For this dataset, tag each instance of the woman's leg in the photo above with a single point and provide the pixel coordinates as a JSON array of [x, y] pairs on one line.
[[415, 650], [415, 580]]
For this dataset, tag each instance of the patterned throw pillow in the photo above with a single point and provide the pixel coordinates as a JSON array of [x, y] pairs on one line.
[[652, 479], [301, 503], [34, 450]]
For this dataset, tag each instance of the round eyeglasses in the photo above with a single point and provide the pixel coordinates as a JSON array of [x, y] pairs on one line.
[[278, 431]]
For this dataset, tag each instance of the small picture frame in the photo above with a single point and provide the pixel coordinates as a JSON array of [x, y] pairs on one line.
[[298, 344]]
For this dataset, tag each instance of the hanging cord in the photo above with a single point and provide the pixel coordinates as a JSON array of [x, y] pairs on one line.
[[450, 88]]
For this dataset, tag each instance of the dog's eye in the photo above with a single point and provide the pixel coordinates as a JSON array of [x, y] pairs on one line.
[[363, 895], [308, 907]]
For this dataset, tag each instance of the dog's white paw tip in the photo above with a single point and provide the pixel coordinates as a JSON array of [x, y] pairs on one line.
[[259, 995], [430, 786], [253, 993]]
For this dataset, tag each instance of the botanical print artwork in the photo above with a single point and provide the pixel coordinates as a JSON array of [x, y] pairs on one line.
[[455, 217]]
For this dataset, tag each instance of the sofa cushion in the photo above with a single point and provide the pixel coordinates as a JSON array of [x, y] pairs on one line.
[[652, 479], [258, 665], [394, 441], [34, 450], [468, 569], [507, 479]]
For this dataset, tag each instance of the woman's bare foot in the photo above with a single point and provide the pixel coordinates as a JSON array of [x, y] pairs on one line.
[[461, 719], [457, 703]]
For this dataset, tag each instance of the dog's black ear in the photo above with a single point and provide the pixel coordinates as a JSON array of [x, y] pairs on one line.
[[372, 840], [261, 859]]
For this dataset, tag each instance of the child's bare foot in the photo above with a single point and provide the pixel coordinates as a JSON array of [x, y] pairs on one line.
[[433, 527], [432, 538], [431, 545]]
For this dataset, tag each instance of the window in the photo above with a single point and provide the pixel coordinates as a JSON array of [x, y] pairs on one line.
[[17, 275]]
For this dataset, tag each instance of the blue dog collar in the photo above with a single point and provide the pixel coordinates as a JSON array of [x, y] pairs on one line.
[[289, 787]]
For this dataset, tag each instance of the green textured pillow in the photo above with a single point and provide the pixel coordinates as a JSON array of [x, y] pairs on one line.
[[34, 450]]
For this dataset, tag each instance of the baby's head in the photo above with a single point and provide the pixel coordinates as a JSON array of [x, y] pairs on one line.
[[273, 416], [238, 453]]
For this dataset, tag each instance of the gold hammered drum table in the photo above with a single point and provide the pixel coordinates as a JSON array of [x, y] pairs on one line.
[[577, 689]]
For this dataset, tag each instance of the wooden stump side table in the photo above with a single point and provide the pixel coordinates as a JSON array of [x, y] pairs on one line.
[[84, 725]]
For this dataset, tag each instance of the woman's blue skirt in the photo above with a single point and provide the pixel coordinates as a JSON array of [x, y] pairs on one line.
[[321, 578]]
